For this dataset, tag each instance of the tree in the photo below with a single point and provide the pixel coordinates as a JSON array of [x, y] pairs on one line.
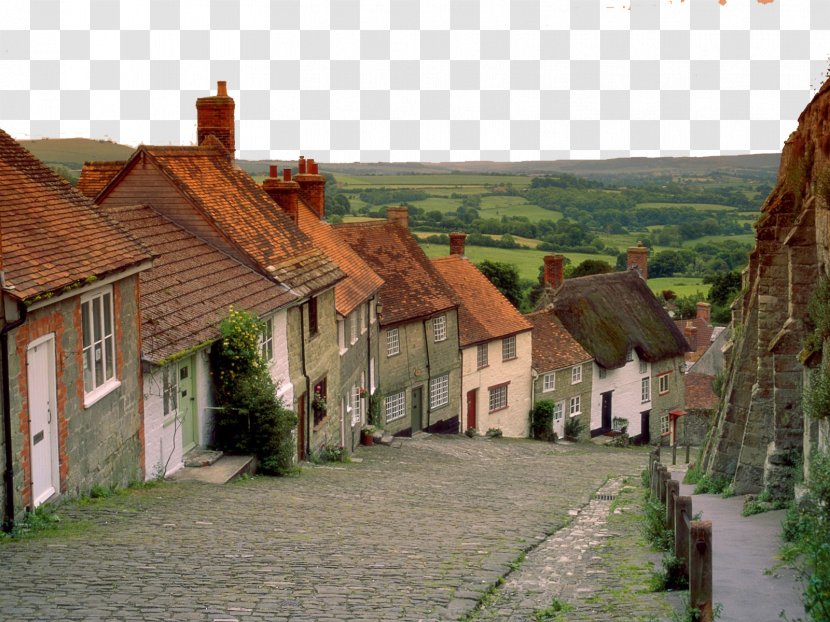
[[591, 266], [505, 277], [724, 287]]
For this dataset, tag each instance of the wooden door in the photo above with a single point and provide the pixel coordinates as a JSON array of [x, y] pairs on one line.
[[416, 410], [472, 398], [43, 419], [645, 431], [606, 411], [301, 427], [187, 404]]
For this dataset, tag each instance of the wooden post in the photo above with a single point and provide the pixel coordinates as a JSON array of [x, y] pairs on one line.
[[664, 477], [674, 452], [683, 505], [700, 569], [672, 491], [686, 434], [655, 477]]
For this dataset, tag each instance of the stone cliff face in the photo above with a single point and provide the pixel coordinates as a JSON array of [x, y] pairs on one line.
[[758, 434]]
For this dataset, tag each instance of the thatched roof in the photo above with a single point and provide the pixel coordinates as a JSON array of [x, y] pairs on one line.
[[610, 313]]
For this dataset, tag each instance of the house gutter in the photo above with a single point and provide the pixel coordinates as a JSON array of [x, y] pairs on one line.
[[309, 389], [8, 473], [429, 375]]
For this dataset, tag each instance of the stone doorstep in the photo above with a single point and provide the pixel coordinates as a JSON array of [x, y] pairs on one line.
[[222, 471], [201, 457]]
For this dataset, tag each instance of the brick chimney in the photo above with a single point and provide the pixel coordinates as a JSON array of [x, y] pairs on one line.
[[398, 216], [457, 243], [312, 186], [284, 191], [214, 117], [704, 310], [638, 260], [554, 271]]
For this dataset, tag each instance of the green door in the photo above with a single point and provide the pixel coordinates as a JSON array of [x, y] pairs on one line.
[[187, 404], [416, 410]]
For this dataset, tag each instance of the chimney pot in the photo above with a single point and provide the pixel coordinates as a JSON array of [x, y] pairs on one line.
[[398, 216], [222, 88], [457, 243], [704, 310], [286, 174], [215, 117], [554, 274], [301, 166], [272, 171]]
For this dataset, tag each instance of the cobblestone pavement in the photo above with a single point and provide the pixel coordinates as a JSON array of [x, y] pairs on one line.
[[416, 533], [596, 568]]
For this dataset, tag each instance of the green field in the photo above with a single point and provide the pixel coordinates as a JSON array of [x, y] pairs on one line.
[[682, 286], [454, 182], [76, 150], [703, 207]]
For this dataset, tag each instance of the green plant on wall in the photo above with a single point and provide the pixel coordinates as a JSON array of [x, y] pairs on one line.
[[541, 420], [817, 394], [252, 418], [373, 415]]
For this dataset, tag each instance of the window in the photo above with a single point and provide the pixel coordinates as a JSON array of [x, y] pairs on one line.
[[439, 391], [575, 406], [508, 348], [393, 344], [498, 397], [170, 389], [629, 355], [558, 410], [481, 355], [549, 382], [353, 322], [373, 308], [603, 373], [364, 323], [356, 405], [576, 374], [645, 390], [643, 367], [663, 384], [266, 340], [312, 316], [341, 335], [372, 384], [664, 423], [395, 406], [439, 328], [98, 327], [318, 401]]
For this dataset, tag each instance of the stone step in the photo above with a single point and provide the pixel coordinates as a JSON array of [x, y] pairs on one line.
[[201, 457], [222, 471]]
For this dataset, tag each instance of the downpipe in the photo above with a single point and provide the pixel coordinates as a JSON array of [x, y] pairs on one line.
[[8, 472]]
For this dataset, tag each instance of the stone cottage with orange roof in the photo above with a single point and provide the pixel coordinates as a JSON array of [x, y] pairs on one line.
[[419, 364], [201, 190], [495, 343], [355, 297], [562, 372], [71, 395]]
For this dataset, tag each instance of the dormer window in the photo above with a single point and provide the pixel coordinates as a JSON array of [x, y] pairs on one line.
[[629, 355]]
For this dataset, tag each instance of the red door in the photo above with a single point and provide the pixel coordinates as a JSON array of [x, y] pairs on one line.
[[301, 428], [471, 408]]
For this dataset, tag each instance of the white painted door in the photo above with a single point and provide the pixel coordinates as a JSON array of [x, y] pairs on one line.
[[43, 421]]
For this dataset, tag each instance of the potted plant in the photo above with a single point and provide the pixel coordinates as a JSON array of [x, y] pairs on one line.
[[318, 403], [367, 435]]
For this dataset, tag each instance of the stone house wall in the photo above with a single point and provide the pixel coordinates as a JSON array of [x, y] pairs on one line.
[[673, 399], [563, 391]]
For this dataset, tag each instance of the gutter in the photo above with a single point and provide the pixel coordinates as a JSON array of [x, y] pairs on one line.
[[8, 473], [429, 376], [309, 388]]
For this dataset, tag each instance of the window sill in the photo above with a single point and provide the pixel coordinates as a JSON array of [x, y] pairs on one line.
[[389, 356], [490, 412], [548, 390], [577, 382], [478, 368], [168, 421], [105, 389], [438, 407], [576, 414], [664, 392], [645, 401], [512, 358]]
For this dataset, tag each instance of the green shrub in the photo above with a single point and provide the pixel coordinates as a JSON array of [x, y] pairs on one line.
[[671, 577], [711, 485], [654, 525], [693, 474], [816, 395], [541, 420], [574, 426], [329, 453], [494, 433]]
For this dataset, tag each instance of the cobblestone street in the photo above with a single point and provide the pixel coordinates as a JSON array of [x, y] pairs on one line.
[[420, 532]]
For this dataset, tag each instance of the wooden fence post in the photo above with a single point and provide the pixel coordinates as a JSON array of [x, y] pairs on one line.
[[655, 477], [683, 505], [700, 569], [664, 477], [672, 491], [674, 452]]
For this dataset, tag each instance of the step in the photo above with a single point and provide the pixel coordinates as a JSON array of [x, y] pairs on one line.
[[201, 457], [222, 471]]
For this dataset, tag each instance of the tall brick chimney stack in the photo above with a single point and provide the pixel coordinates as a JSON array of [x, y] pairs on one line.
[[215, 117], [704, 310], [457, 243], [312, 186], [398, 216], [284, 191], [638, 259], [554, 271]]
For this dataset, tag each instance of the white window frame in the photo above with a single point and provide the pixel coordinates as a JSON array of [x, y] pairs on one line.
[[364, 320], [353, 327], [482, 355], [341, 335], [575, 406], [393, 342], [266, 340], [356, 405], [497, 398], [395, 406], [170, 391], [373, 310], [439, 391], [645, 389], [602, 372], [629, 355], [99, 386], [549, 382], [508, 348], [663, 385], [665, 423], [576, 374], [439, 328], [558, 410], [643, 367]]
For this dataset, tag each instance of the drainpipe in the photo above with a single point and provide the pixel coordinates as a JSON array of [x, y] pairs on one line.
[[429, 376], [534, 378], [309, 388], [369, 378], [8, 473]]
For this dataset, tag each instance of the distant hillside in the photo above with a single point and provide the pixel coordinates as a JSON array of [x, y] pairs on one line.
[[73, 152]]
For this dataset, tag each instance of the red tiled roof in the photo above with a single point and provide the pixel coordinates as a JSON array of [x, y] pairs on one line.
[[702, 337], [187, 293], [52, 235], [361, 281], [96, 175], [239, 208], [699, 394], [483, 312], [412, 286], [553, 346]]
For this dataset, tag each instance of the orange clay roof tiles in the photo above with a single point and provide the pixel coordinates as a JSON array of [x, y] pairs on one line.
[[96, 175], [239, 208], [483, 312], [361, 281], [52, 236], [412, 287], [553, 346], [187, 293]]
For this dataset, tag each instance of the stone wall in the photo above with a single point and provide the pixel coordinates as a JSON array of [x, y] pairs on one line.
[[563, 391]]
